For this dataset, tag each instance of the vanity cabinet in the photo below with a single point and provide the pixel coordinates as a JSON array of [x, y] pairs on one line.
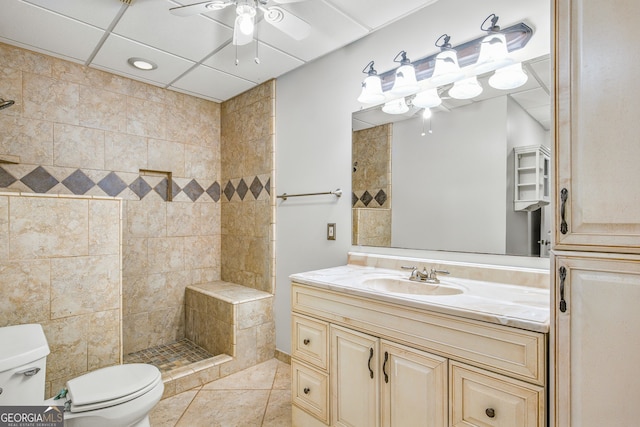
[[375, 382], [597, 229], [397, 366]]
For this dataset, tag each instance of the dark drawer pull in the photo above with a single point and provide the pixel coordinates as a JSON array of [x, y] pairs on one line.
[[307, 390], [306, 341], [490, 412]]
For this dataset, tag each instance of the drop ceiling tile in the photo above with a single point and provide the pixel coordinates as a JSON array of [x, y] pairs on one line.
[[273, 63], [532, 98], [191, 37], [116, 50], [34, 28], [330, 30], [212, 84], [375, 13], [99, 13]]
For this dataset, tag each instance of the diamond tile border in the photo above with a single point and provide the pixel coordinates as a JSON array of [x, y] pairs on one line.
[[119, 184]]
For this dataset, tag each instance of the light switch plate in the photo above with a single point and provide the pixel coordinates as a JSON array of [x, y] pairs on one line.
[[331, 231]]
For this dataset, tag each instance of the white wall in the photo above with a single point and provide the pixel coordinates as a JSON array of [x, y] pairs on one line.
[[313, 129]]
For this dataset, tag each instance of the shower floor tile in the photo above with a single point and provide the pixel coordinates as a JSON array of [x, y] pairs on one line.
[[169, 356]]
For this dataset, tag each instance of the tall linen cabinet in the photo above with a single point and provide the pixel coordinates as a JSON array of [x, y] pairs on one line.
[[596, 252]]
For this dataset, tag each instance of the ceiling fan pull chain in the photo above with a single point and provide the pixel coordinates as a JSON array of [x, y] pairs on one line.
[[237, 60], [257, 58]]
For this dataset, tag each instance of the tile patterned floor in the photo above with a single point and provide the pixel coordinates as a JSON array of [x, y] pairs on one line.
[[169, 356], [259, 396]]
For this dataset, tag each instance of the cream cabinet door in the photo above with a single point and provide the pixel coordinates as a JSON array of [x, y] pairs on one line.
[[354, 379], [597, 341], [597, 149], [414, 387]]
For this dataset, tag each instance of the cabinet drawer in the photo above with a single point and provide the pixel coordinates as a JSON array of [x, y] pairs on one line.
[[484, 399], [310, 341], [310, 390]]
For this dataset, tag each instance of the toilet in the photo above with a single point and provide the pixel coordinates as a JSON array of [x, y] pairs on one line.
[[116, 396]]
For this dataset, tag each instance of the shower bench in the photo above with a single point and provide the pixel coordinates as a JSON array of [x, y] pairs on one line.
[[227, 318]]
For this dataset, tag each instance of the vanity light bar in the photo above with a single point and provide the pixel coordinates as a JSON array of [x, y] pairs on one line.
[[517, 37]]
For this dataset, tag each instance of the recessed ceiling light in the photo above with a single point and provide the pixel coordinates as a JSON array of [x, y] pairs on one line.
[[142, 64]]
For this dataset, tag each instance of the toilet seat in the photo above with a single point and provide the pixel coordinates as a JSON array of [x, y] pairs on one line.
[[111, 386]]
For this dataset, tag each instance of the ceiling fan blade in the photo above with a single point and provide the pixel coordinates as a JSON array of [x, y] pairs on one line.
[[196, 8], [287, 22], [240, 38]]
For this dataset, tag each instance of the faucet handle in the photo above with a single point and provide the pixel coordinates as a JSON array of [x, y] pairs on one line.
[[409, 267]]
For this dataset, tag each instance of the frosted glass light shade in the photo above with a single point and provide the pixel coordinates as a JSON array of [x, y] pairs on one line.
[[446, 69], [427, 99], [405, 83], [466, 89], [509, 77], [493, 53], [427, 113], [371, 91], [397, 106]]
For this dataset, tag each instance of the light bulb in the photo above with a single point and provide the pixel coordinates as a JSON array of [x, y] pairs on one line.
[[426, 114], [245, 24]]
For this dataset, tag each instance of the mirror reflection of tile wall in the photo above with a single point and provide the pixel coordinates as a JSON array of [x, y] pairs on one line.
[[371, 186]]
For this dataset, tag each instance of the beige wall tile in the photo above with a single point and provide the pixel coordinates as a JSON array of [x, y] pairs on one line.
[[4, 228], [45, 98], [78, 147], [48, 227], [200, 162], [68, 345], [104, 227], [82, 285], [103, 339], [166, 156], [24, 286], [123, 152], [30, 139], [253, 313], [166, 254], [145, 117], [102, 109]]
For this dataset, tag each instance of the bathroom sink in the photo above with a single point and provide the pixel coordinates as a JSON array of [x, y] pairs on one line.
[[407, 287]]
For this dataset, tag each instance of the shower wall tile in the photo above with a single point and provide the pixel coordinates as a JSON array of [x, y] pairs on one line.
[[46, 98], [104, 233], [11, 88], [247, 141], [166, 156], [76, 146], [103, 339], [166, 254], [25, 287], [102, 109], [49, 278], [83, 285], [4, 227], [31, 140], [46, 227], [146, 118], [124, 152]]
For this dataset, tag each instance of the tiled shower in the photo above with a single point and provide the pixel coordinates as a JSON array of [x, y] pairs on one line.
[[193, 176]]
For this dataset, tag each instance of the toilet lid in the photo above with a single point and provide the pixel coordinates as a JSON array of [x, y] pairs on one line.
[[111, 386]]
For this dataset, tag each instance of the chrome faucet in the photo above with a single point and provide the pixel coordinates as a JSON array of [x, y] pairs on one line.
[[424, 275]]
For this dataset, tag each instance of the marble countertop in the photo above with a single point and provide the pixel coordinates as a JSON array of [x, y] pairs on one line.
[[510, 305]]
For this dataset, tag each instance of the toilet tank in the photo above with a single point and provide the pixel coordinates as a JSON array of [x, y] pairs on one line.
[[23, 356]]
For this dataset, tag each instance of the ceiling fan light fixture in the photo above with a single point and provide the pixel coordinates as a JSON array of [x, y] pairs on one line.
[[217, 5]]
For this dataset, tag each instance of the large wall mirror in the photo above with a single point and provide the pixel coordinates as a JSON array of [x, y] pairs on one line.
[[451, 182]]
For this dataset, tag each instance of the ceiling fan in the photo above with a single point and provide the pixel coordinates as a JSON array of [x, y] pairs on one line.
[[246, 11]]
